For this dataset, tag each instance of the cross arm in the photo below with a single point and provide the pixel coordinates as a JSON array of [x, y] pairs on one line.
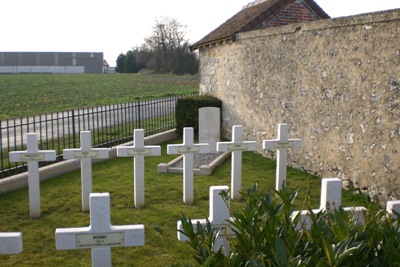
[[24, 156]]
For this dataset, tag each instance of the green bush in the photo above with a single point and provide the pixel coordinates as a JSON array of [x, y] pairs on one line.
[[187, 111], [266, 236]]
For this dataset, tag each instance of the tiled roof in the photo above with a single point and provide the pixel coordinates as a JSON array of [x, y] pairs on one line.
[[250, 18]]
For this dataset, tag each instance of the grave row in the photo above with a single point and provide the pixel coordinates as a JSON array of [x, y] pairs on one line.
[[86, 153], [100, 236]]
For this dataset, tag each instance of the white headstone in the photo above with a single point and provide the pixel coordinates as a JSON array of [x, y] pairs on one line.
[[188, 148], [86, 154], [10, 243], [100, 236], [138, 151], [331, 198], [219, 214], [391, 206], [236, 146], [210, 127], [33, 155], [281, 144]]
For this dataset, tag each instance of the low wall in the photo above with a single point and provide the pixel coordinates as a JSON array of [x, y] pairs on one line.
[[21, 180], [335, 82]]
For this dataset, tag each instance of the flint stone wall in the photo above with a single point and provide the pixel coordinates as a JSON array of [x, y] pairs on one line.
[[335, 82]]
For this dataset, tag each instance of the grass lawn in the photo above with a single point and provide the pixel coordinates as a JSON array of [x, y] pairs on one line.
[[61, 208], [32, 94]]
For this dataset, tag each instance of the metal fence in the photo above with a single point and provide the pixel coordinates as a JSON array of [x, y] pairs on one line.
[[109, 125]]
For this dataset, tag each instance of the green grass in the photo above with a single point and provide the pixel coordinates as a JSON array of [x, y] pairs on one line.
[[61, 208], [32, 94]]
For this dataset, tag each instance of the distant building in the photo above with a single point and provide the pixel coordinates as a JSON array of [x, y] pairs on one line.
[[51, 62]]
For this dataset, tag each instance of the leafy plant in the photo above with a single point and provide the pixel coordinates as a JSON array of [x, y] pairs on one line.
[[266, 236]]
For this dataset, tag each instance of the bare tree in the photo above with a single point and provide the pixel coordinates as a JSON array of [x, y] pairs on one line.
[[168, 43]]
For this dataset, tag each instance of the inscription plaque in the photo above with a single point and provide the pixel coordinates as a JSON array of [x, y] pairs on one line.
[[32, 157], [237, 147], [191, 149], [86, 154], [139, 152], [100, 240], [283, 145]]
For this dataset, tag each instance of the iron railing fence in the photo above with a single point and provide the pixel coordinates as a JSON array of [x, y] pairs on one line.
[[110, 125]]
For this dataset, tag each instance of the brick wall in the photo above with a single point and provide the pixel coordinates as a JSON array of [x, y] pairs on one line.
[[336, 83]]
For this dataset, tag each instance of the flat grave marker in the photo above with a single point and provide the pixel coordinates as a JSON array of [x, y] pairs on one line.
[[281, 144], [33, 155], [236, 146], [218, 216], [210, 127], [138, 151], [10, 243], [100, 236], [188, 148], [86, 154]]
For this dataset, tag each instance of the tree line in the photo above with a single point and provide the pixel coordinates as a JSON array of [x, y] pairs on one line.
[[166, 50]]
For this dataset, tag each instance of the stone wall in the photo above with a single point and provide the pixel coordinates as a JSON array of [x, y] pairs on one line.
[[336, 83]]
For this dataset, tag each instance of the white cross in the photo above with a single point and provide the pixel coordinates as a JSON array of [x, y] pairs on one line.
[[236, 146], [86, 154], [32, 155], [138, 151], [331, 198], [100, 236], [10, 243], [219, 214], [282, 143], [188, 148]]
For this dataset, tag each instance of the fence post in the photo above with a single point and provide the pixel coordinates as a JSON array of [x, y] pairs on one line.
[[73, 128]]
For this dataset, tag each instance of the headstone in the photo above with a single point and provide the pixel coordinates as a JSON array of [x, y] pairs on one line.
[[210, 127], [33, 155], [86, 154], [331, 198], [188, 148], [281, 144], [138, 151], [218, 216], [236, 146], [391, 206], [100, 236], [10, 243]]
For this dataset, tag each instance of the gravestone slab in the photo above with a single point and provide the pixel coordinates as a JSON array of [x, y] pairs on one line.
[[138, 151], [210, 127], [281, 144], [188, 148], [218, 216], [10, 243], [33, 155], [236, 147], [100, 236], [86, 154]]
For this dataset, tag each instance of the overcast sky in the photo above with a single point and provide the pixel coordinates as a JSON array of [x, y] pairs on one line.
[[115, 26]]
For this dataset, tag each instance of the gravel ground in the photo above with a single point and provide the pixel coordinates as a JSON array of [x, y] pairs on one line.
[[199, 160]]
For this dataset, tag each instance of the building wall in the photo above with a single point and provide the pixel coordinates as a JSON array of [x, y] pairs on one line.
[[52, 61], [336, 83]]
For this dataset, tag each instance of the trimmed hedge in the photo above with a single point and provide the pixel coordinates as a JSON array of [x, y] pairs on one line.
[[187, 111]]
